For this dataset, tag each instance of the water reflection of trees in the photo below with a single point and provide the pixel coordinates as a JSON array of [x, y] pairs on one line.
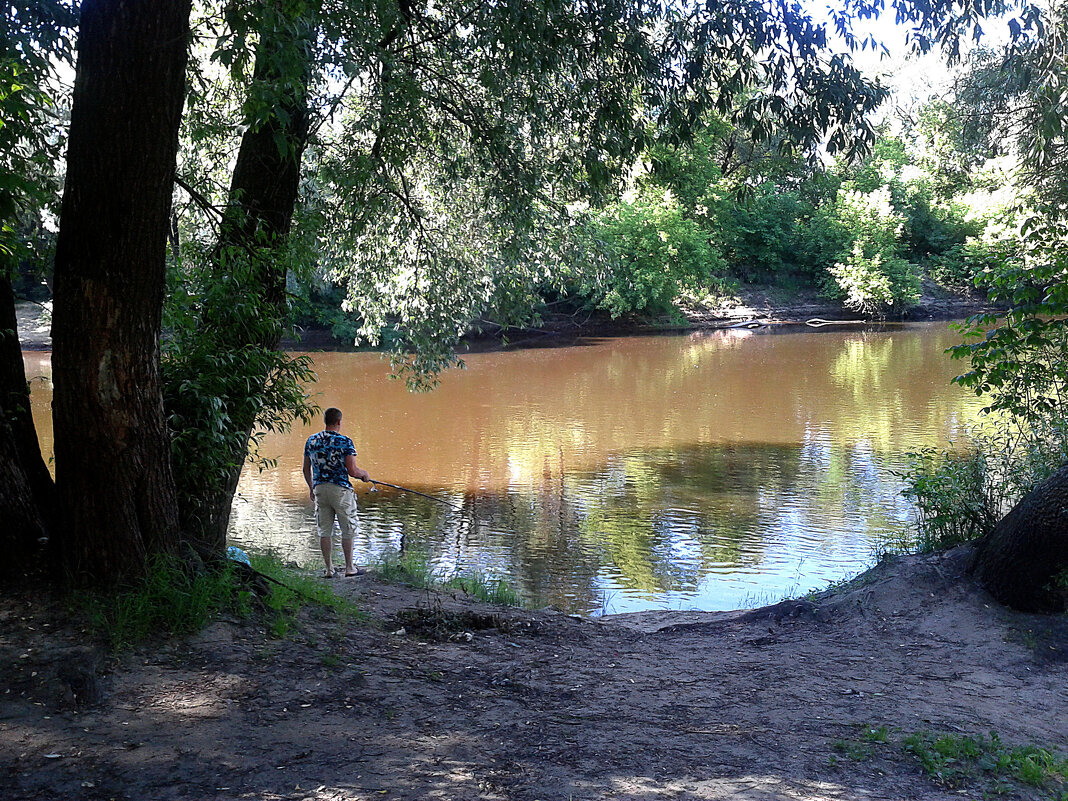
[[511, 419], [666, 520], [648, 466], [657, 522]]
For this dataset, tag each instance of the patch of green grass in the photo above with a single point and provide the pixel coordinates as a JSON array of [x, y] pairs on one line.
[[172, 599], [292, 591], [492, 591], [876, 735], [957, 761], [280, 625], [954, 760], [175, 598], [410, 567], [862, 748], [413, 569], [298, 589]]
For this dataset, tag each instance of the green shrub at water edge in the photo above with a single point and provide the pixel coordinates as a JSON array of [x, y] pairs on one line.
[[959, 266], [409, 567], [875, 284], [951, 496], [659, 254], [961, 496], [870, 275], [491, 591], [413, 568]]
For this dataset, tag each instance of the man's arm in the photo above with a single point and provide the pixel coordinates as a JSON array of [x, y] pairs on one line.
[[308, 476], [355, 470]]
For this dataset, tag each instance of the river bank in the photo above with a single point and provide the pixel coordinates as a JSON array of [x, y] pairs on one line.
[[802, 700], [755, 307], [764, 305]]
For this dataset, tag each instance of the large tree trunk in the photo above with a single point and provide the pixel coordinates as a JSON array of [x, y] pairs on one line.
[[22, 527], [26, 489], [255, 230], [113, 472], [1020, 559]]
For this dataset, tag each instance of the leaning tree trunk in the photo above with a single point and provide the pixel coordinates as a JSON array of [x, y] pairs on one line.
[[26, 489], [1021, 558], [255, 230], [113, 471]]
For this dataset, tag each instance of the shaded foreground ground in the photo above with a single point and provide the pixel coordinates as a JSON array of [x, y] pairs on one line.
[[538, 705]]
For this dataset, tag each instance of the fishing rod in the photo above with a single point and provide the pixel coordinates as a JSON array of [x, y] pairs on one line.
[[414, 492]]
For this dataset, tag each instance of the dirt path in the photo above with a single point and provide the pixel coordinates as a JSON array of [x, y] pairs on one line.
[[543, 706]]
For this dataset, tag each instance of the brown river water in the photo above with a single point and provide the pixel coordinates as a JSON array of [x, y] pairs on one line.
[[710, 470]]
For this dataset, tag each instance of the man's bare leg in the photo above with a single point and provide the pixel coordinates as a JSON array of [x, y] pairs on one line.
[[346, 548], [326, 544]]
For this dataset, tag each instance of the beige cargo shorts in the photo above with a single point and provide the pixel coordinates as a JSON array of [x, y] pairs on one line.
[[334, 501]]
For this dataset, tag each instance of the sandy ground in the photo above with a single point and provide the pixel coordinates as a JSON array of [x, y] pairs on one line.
[[528, 705]]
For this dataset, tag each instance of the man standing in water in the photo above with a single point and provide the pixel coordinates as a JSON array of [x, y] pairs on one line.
[[329, 460]]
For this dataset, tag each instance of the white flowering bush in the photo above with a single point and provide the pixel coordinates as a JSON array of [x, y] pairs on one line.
[[871, 276]]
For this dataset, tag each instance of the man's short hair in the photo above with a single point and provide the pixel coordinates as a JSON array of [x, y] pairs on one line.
[[332, 416]]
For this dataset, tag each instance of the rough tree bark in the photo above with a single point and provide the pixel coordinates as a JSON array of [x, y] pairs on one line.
[[263, 194], [22, 524], [26, 488], [1020, 558], [113, 475]]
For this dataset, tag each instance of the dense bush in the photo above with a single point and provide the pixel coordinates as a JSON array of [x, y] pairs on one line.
[[758, 233], [319, 304], [933, 226], [871, 276], [206, 382], [954, 497], [1019, 363], [962, 266], [657, 254], [874, 284], [961, 496]]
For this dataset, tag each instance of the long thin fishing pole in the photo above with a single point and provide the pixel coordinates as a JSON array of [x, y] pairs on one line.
[[416, 492]]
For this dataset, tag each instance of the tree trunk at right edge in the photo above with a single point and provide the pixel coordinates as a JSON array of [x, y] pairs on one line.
[[113, 471], [1020, 559]]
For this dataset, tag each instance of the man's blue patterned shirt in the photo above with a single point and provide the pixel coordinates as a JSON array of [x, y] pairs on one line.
[[327, 451]]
